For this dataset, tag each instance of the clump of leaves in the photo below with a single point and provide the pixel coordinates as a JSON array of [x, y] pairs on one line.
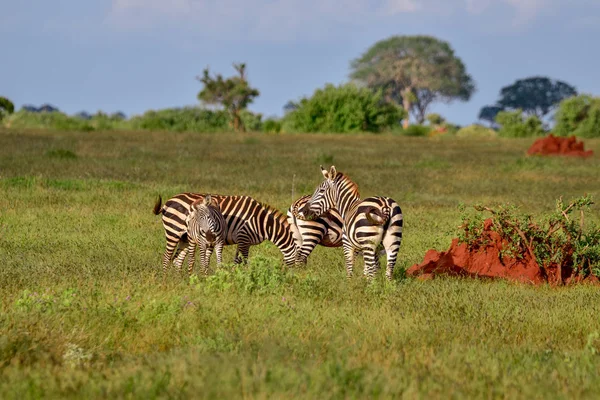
[[561, 240]]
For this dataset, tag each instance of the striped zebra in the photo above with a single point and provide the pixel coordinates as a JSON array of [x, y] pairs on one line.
[[249, 222], [367, 223], [206, 228], [325, 230]]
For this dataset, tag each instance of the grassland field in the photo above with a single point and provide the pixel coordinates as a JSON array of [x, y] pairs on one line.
[[86, 313]]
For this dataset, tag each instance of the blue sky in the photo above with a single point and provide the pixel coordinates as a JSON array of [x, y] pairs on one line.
[[135, 55]]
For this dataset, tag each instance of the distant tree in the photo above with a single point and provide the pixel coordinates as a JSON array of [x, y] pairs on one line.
[[234, 94], [488, 113], [535, 96], [290, 106], [118, 116], [435, 119], [6, 107], [83, 115], [414, 71], [47, 108]]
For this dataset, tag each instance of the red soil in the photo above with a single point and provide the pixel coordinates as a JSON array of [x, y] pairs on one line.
[[485, 261], [554, 145]]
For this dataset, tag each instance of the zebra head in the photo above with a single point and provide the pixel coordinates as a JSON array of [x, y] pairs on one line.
[[324, 197], [200, 219]]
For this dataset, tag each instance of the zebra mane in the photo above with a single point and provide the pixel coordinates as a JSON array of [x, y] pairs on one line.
[[349, 183]]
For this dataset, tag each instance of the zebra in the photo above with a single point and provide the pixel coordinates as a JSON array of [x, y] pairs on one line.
[[249, 222], [206, 228], [367, 223], [325, 230]]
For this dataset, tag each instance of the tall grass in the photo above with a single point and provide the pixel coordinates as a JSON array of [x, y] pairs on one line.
[[85, 312]]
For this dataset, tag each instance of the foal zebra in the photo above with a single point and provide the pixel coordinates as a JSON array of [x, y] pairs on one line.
[[325, 230], [206, 229], [367, 223], [249, 222]]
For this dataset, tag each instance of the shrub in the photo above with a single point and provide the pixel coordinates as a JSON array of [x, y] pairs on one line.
[[192, 119], [513, 124], [6, 107], [578, 115], [435, 119], [560, 240], [344, 108], [271, 125], [252, 122], [475, 131], [47, 120], [415, 130]]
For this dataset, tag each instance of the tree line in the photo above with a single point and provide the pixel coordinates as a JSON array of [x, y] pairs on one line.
[[395, 81]]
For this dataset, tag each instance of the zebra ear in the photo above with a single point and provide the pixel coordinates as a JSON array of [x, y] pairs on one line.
[[324, 172], [332, 172], [207, 200], [196, 204]]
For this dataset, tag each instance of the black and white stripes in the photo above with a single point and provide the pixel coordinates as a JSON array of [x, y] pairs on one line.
[[249, 222], [367, 223]]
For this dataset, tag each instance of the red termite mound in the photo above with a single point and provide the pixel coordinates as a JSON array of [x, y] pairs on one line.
[[486, 260], [555, 145]]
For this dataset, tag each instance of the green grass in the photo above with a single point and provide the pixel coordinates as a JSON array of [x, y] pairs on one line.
[[85, 313]]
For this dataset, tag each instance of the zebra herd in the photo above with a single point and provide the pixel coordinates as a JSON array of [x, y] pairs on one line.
[[333, 216]]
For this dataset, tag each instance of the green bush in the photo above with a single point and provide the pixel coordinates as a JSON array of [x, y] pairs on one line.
[[415, 130], [271, 125], [578, 115], [475, 131], [513, 124], [47, 120], [252, 122], [344, 108], [435, 119], [6, 107], [191, 119]]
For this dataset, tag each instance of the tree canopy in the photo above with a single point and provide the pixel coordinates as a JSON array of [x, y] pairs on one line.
[[414, 71], [536, 95], [488, 113], [6, 107], [234, 94]]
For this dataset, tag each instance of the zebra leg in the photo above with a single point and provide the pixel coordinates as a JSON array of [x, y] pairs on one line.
[[371, 262], [192, 250], [349, 256], [242, 252], [166, 260], [206, 261], [392, 241], [219, 251]]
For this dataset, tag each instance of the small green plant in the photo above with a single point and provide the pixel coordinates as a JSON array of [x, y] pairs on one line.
[[561, 241]]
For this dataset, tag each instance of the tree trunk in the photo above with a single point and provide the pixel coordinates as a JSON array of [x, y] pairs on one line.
[[237, 121], [406, 106]]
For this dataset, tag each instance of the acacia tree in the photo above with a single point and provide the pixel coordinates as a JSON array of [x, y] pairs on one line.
[[414, 71], [6, 107], [234, 94], [536, 95]]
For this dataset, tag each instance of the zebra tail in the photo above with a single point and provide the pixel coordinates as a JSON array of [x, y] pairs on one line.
[[375, 216], [157, 206]]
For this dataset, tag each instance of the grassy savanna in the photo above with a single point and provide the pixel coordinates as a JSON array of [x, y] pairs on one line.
[[86, 313]]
